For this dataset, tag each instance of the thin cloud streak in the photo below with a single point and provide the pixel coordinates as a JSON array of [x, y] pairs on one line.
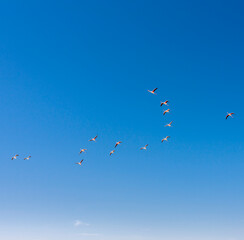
[[89, 234], [78, 223]]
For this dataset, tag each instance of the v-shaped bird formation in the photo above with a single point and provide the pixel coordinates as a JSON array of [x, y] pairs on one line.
[[165, 103]]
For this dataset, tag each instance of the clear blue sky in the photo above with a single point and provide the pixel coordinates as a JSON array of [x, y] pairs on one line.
[[70, 70]]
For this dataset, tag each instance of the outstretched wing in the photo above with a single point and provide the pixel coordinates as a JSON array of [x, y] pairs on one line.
[[154, 89]]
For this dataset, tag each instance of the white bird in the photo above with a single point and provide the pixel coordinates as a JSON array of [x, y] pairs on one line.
[[144, 148], [27, 158], [111, 152], [117, 143], [164, 103], [169, 124], [93, 139], [82, 150], [165, 139], [15, 156], [229, 115], [166, 111], [153, 91], [79, 163]]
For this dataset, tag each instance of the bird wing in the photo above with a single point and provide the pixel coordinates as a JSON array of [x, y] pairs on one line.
[[154, 89], [229, 114]]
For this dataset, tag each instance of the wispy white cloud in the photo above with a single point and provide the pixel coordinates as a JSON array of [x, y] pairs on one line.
[[78, 223], [89, 234]]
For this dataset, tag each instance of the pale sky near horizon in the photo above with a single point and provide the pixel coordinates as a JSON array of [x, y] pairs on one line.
[[71, 70]]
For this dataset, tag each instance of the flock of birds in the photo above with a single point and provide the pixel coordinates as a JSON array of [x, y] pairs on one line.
[[119, 142]]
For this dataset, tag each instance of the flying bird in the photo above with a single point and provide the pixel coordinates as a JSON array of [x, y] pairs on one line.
[[165, 139], [117, 143], [15, 156], [166, 111], [164, 103], [169, 124], [93, 139], [111, 152], [79, 163], [27, 158], [144, 148], [229, 115], [153, 91], [82, 150]]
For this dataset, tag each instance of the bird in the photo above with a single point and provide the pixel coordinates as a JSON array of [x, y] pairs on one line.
[[166, 111], [229, 114], [164, 103], [15, 156], [93, 139], [82, 150], [117, 143], [79, 163], [169, 124], [165, 139], [144, 148], [27, 158], [153, 91], [111, 152]]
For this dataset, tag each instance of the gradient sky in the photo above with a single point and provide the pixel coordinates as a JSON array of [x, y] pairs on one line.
[[70, 70]]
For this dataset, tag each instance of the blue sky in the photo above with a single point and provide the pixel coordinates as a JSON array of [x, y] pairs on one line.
[[73, 69]]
